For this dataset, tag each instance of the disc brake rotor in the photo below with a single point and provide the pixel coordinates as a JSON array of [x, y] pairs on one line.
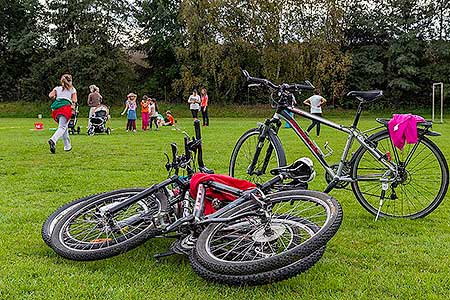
[[264, 235]]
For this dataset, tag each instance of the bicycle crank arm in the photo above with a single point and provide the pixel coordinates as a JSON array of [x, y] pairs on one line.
[[131, 221], [179, 222]]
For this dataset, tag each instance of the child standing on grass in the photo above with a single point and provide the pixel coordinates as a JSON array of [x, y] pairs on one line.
[[153, 113], [315, 102], [131, 106], [64, 97], [145, 112]]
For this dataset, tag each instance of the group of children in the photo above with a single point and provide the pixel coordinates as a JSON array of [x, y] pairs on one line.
[[150, 114]]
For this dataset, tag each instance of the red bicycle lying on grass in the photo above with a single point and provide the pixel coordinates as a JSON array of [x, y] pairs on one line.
[[233, 231]]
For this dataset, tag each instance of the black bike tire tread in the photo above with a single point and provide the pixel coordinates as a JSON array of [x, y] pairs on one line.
[[99, 253], [275, 262], [423, 213], [45, 231], [251, 279]]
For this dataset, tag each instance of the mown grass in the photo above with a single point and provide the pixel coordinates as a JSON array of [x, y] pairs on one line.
[[23, 109], [388, 259]]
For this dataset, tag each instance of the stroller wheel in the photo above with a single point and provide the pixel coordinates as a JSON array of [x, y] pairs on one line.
[[108, 131], [90, 131], [78, 130]]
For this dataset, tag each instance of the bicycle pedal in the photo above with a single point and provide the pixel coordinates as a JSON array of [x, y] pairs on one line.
[[164, 254]]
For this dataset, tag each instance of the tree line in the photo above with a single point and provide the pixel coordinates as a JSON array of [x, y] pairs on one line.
[[399, 46]]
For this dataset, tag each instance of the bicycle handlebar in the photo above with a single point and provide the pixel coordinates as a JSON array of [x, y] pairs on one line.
[[194, 145], [254, 81]]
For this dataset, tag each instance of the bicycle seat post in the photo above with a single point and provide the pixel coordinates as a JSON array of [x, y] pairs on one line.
[[358, 115]]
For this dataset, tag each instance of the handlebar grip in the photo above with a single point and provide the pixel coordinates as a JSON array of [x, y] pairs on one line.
[[304, 87], [174, 151], [198, 135]]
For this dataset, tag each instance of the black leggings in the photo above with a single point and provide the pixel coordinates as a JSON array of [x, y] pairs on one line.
[[194, 113], [205, 115], [131, 125], [155, 119], [314, 123]]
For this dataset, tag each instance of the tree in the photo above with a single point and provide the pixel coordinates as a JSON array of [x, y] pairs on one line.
[[160, 33], [104, 23], [20, 44], [86, 39]]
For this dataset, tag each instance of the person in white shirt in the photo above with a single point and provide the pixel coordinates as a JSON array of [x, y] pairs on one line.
[[194, 101], [315, 102], [64, 97]]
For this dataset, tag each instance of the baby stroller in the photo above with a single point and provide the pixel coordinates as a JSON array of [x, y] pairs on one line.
[[98, 122], [73, 121]]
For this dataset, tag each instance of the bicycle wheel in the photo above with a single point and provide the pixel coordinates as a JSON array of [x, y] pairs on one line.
[[49, 224], [83, 234], [419, 188], [271, 156], [271, 276], [253, 245]]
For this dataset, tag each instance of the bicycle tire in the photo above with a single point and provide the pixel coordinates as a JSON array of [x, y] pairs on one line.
[[311, 202], [267, 277], [240, 170], [49, 224], [427, 157], [65, 243]]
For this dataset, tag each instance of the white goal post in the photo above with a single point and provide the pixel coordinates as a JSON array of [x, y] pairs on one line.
[[440, 86]]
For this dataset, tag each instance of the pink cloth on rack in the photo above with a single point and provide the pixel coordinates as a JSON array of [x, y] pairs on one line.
[[404, 128]]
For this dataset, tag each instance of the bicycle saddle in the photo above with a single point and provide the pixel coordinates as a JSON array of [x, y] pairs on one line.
[[302, 169], [366, 96]]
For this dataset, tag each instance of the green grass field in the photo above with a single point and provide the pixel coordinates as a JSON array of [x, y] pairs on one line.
[[387, 259]]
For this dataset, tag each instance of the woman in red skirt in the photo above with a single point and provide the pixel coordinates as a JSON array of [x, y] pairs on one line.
[[64, 96]]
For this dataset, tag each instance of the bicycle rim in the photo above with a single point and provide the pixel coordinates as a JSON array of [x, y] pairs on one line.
[[86, 230], [250, 239]]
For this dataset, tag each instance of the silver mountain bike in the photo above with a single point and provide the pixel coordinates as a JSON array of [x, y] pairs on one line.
[[386, 181]]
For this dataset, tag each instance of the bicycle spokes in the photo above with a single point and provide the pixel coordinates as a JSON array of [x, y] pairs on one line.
[[255, 159], [414, 186]]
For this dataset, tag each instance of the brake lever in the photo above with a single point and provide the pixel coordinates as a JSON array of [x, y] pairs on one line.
[[168, 164], [254, 85], [310, 84]]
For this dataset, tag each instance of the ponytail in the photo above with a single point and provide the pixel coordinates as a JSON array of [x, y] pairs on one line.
[[66, 82]]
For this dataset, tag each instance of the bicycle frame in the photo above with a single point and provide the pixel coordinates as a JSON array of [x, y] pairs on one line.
[[353, 134], [193, 215]]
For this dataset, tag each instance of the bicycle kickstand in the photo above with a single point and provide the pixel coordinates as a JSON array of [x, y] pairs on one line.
[[384, 188]]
